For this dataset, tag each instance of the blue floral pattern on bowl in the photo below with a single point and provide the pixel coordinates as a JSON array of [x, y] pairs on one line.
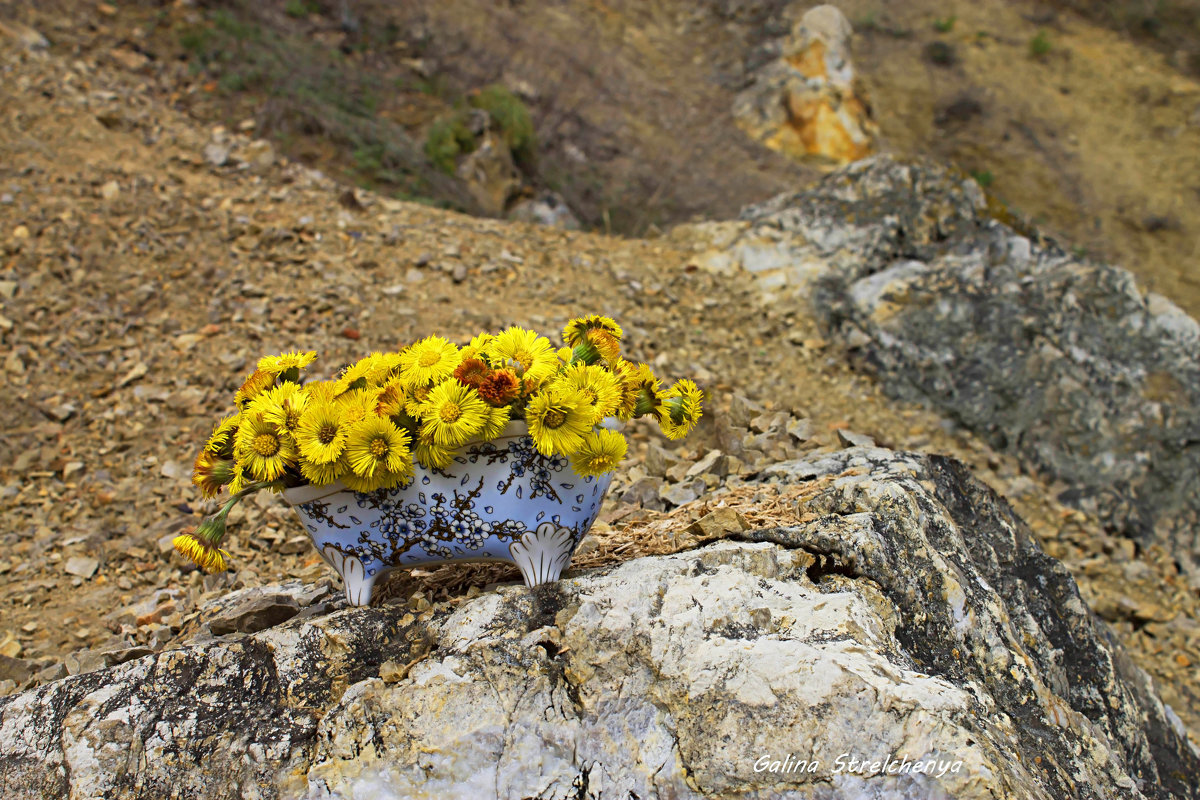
[[497, 501]]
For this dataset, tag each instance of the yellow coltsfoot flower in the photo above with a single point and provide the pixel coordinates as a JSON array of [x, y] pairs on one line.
[[321, 435], [211, 472], [286, 362], [558, 420], [428, 361], [375, 446], [597, 384], [221, 440], [576, 329], [530, 356], [280, 405], [263, 450], [200, 546], [602, 452], [680, 409], [256, 383], [452, 414]]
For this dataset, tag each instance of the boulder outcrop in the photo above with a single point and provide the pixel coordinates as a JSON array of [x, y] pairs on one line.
[[903, 637], [950, 301], [805, 101]]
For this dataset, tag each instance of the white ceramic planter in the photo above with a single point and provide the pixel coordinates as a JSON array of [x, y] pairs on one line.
[[498, 501]]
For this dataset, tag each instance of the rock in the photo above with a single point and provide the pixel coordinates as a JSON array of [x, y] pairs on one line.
[[806, 103], [718, 524], [1063, 362], [259, 154], [548, 208], [110, 190], [912, 618], [81, 566], [216, 153], [658, 459], [23, 35], [707, 464], [254, 609], [52, 673], [800, 429], [9, 646], [17, 670], [741, 410], [255, 614], [489, 173], [852, 439], [677, 494], [644, 493]]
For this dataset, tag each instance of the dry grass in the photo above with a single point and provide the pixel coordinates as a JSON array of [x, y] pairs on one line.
[[624, 533]]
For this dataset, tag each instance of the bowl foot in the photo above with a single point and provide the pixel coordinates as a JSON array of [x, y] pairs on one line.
[[542, 554], [359, 585]]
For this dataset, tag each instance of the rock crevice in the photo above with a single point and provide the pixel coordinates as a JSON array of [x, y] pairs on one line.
[[935, 629]]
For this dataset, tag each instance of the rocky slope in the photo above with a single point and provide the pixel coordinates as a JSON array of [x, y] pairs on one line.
[[143, 275], [897, 582]]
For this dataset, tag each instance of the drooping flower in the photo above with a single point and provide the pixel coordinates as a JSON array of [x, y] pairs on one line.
[[431, 455], [597, 384], [558, 420], [262, 449], [430, 360], [644, 386], [211, 472], [601, 452], [680, 409], [321, 435], [200, 546], [375, 445], [221, 440], [256, 382], [532, 357], [452, 414]]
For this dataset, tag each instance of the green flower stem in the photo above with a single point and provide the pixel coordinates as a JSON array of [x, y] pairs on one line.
[[212, 529]]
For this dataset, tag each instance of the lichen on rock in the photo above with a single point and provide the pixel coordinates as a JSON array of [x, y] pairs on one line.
[[911, 617]]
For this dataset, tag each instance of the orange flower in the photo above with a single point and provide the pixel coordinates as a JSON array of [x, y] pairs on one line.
[[500, 388], [472, 372]]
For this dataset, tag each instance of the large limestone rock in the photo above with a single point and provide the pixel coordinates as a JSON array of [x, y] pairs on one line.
[[1063, 361], [908, 618], [805, 102]]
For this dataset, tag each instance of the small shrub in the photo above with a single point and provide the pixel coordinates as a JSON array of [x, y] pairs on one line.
[[512, 116], [944, 24], [447, 138], [301, 8], [941, 53], [1039, 45], [984, 178]]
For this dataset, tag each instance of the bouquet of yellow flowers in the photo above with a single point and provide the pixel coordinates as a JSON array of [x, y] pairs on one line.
[[366, 427]]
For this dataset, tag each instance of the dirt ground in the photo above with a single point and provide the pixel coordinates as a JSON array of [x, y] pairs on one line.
[[140, 281]]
